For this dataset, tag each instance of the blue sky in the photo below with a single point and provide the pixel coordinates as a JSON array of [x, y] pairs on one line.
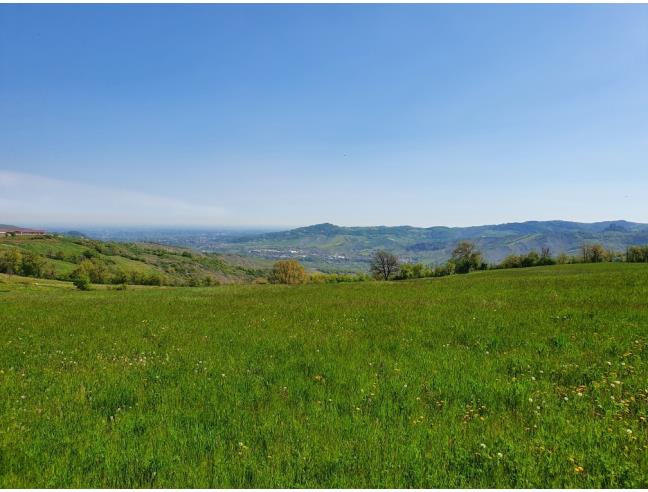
[[287, 115]]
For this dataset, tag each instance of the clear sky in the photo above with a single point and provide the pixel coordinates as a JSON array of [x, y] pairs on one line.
[[292, 115]]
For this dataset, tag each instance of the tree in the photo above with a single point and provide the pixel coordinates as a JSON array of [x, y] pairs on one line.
[[81, 275], [637, 254], [288, 272], [594, 253], [529, 260], [82, 282], [466, 257], [384, 265], [32, 264], [511, 261], [98, 273], [11, 262], [545, 257]]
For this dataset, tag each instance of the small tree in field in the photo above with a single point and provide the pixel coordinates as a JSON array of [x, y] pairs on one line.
[[81, 275], [384, 265], [288, 272], [11, 262], [81, 278], [466, 257], [32, 265], [594, 253]]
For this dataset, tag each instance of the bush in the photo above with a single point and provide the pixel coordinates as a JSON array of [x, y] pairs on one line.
[[336, 278], [82, 282], [11, 262], [32, 265], [447, 269], [288, 272], [414, 270], [530, 259]]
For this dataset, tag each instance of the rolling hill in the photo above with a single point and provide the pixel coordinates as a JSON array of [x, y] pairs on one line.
[[57, 257], [330, 247]]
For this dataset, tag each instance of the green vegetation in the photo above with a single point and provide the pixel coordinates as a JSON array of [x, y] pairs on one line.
[[637, 254], [507, 378], [331, 248], [467, 258], [85, 260], [384, 265], [288, 272]]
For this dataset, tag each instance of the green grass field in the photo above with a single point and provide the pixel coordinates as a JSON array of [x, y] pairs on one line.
[[521, 378]]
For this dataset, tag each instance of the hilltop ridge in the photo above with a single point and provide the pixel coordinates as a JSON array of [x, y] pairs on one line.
[[330, 247]]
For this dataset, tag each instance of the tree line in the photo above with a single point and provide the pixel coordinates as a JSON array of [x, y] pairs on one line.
[[466, 258], [384, 265]]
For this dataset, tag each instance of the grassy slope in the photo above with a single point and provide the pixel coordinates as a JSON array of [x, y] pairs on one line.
[[146, 259], [461, 381]]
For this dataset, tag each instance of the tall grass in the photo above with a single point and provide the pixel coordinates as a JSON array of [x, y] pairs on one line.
[[522, 378]]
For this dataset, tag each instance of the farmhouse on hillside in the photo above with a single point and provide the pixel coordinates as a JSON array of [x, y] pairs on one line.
[[20, 231]]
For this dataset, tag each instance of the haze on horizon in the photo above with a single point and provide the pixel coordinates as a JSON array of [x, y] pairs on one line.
[[290, 115]]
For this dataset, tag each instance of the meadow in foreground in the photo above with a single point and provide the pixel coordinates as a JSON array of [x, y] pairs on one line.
[[518, 378]]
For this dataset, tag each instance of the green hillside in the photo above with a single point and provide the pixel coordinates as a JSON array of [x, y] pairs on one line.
[[57, 257], [509, 378], [333, 248]]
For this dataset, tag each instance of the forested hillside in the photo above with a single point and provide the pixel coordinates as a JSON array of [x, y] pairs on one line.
[[334, 248], [65, 258]]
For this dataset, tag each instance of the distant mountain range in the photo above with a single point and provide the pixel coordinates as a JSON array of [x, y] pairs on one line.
[[334, 248]]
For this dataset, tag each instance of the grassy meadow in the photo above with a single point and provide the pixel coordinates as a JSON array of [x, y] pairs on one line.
[[511, 378]]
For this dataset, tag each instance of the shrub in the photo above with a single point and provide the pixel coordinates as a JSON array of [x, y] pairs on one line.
[[288, 272], [444, 270], [82, 282], [11, 262], [32, 264], [545, 257]]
